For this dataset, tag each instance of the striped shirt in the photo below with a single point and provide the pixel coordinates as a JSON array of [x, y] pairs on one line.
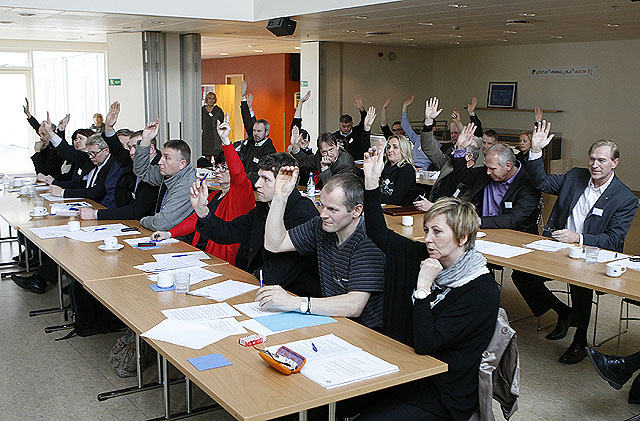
[[355, 265]]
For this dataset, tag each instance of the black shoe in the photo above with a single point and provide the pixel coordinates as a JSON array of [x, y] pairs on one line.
[[574, 354], [634, 392], [33, 263], [610, 367], [561, 329], [30, 283]]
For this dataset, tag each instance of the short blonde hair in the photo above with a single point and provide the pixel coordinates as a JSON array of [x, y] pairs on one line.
[[406, 149], [461, 218], [527, 133], [211, 94]]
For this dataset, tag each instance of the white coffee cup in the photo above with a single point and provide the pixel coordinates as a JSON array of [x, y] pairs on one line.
[[110, 242], [576, 252], [39, 211], [24, 190], [18, 182], [165, 280], [407, 220], [73, 226], [614, 269]]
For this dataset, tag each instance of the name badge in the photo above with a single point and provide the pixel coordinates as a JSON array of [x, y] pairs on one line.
[[256, 160], [508, 205], [457, 192], [597, 212]]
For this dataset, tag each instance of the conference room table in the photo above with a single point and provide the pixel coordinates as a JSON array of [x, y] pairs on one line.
[[248, 389]]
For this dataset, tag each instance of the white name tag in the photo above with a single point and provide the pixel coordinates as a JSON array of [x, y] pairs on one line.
[[508, 205], [457, 192], [597, 212], [256, 160]]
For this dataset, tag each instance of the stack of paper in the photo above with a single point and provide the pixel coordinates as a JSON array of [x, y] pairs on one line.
[[197, 274], [547, 245], [46, 233], [500, 250], [68, 209], [173, 261], [222, 291], [202, 312], [52, 198], [99, 232], [333, 362], [184, 333]]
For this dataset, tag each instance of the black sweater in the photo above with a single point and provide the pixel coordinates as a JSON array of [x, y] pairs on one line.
[[457, 330], [398, 185]]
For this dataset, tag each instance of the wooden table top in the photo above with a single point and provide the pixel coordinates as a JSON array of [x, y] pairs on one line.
[[249, 389]]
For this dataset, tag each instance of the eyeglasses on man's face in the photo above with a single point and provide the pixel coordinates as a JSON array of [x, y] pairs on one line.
[[221, 168], [93, 154]]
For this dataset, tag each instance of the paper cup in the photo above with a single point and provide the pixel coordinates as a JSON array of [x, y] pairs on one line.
[[165, 280], [407, 220]]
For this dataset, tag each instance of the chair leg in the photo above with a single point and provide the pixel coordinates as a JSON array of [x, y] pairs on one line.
[[620, 331]]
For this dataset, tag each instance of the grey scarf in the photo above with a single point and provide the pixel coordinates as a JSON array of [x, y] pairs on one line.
[[467, 268]]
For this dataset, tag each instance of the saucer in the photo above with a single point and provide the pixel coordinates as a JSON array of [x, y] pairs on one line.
[[38, 216], [481, 234], [102, 247]]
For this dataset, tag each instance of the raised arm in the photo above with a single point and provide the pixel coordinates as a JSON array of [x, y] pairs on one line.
[[142, 167], [276, 237], [109, 135], [384, 123], [548, 183]]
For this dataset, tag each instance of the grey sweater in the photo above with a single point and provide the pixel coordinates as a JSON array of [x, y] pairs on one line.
[[176, 205]]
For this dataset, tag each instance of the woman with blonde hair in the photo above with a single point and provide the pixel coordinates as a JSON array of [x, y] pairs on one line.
[[524, 146], [398, 179], [211, 115]]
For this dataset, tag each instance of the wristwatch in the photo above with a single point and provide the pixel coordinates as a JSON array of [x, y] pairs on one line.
[[420, 294], [305, 306]]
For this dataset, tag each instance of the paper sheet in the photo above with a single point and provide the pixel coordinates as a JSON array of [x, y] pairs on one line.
[[52, 198], [605, 256], [346, 369], [628, 264], [156, 267], [93, 236], [500, 250], [258, 328], [105, 227], [207, 362], [230, 326], [175, 257], [547, 245], [197, 274], [327, 346], [292, 320], [202, 312], [68, 209], [222, 291], [56, 231], [134, 241], [253, 309], [184, 333]]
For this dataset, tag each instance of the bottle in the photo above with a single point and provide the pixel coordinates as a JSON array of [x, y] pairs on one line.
[[311, 186]]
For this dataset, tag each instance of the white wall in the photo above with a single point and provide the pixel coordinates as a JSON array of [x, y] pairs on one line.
[[310, 65], [594, 108], [124, 56]]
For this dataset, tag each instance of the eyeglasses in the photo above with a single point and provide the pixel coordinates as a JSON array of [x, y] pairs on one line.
[[93, 154], [221, 168]]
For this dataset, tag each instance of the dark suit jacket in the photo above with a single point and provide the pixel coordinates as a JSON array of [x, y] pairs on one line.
[[247, 149], [296, 273], [617, 203], [47, 162], [358, 141], [519, 206], [311, 164]]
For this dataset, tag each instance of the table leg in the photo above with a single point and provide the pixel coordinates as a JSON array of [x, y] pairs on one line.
[[188, 403], [165, 386], [332, 411], [302, 415], [53, 309]]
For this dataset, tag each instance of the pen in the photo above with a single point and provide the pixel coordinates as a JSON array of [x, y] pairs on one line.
[[314, 347], [203, 178], [99, 229], [261, 283], [179, 255], [129, 229], [74, 209]]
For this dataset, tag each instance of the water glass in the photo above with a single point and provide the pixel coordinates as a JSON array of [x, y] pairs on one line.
[[182, 280], [38, 201], [591, 254]]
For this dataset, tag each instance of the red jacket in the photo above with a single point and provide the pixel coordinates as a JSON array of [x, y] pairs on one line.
[[238, 201]]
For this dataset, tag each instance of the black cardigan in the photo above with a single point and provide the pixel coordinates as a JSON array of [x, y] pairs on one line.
[[457, 330]]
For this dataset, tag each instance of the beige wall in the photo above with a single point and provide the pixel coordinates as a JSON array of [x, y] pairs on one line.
[[376, 79], [594, 108]]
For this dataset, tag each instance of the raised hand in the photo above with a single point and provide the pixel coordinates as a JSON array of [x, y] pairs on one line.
[[429, 271], [295, 140], [198, 195], [25, 108], [466, 136], [407, 102], [243, 89], [250, 100], [541, 136], [386, 103], [372, 166], [455, 116], [538, 113], [370, 118], [286, 181], [306, 97], [112, 116], [358, 102], [471, 107], [48, 128], [63, 123], [431, 110], [150, 131], [224, 130]]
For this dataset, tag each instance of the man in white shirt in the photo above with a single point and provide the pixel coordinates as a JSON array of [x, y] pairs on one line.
[[593, 208]]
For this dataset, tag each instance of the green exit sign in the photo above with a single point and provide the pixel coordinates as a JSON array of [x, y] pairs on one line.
[[304, 83], [115, 82]]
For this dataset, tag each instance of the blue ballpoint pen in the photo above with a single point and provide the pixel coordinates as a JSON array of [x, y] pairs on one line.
[[261, 283], [314, 347], [203, 178], [99, 229]]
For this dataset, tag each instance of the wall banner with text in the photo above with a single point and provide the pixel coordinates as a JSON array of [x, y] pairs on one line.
[[564, 71]]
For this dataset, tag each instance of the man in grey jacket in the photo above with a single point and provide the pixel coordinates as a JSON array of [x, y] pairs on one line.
[[174, 174]]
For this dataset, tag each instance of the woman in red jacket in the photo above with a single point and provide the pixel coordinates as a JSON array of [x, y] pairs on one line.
[[234, 199]]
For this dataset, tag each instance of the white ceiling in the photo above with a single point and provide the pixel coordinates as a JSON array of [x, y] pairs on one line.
[[420, 23]]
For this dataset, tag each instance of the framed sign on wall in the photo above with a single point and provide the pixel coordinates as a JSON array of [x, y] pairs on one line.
[[502, 95]]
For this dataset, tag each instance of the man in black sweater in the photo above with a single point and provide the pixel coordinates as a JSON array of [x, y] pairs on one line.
[[298, 274], [354, 139]]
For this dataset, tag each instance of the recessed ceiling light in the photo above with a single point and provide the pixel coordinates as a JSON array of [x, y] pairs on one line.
[[366, 42], [224, 54], [455, 36], [297, 47], [6, 22], [425, 23], [258, 51], [26, 15], [128, 28], [557, 36], [250, 46], [92, 34], [408, 39], [510, 32], [157, 22], [502, 40], [527, 15], [361, 17], [458, 5], [612, 25], [413, 45], [348, 31]]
